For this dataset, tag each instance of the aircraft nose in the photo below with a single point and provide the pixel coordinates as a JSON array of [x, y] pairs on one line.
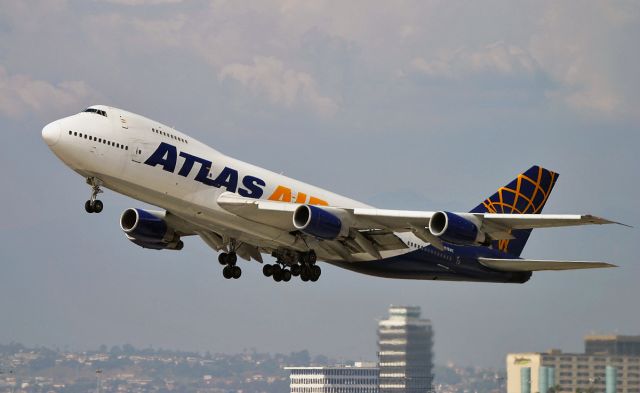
[[51, 133]]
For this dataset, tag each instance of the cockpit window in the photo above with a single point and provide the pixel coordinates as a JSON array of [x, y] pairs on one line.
[[96, 111]]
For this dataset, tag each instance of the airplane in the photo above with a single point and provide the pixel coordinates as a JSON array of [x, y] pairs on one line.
[[242, 210]]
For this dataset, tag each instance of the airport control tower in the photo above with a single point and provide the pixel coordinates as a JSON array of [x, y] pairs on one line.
[[405, 352]]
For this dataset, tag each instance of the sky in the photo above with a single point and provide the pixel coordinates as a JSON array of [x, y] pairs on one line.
[[426, 105]]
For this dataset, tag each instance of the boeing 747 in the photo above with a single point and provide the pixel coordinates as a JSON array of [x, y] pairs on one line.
[[241, 210]]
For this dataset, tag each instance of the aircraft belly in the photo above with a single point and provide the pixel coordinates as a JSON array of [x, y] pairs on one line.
[[420, 265]]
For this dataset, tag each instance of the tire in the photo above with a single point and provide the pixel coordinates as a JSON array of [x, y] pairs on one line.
[[236, 272], [315, 273], [180, 245], [222, 258], [286, 275], [295, 270], [276, 269], [232, 258], [87, 207], [227, 272], [267, 270], [304, 277], [97, 206], [277, 275]]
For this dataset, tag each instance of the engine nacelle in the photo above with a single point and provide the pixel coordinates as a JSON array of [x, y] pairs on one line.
[[149, 230], [455, 229], [317, 222]]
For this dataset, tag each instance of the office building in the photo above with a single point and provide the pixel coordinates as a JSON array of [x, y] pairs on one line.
[[570, 372], [359, 378], [405, 356], [612, 345]]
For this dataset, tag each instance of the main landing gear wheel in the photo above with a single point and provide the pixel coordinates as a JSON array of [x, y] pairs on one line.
[[277, 273], [236, 272], [315, 273], [228, 259], [267, 270], [230, 269]]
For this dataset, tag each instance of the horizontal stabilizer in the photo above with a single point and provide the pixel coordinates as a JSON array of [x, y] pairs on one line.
[[534, 265]]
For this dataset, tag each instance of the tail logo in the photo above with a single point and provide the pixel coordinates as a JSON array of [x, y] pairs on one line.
[[527, 194]]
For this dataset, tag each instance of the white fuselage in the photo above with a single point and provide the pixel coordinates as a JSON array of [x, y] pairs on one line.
[[115, 146]]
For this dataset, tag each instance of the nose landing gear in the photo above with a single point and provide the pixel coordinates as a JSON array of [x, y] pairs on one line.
[[94, 205]]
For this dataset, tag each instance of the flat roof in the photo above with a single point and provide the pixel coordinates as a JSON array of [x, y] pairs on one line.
[[611, 337], [340, 367]]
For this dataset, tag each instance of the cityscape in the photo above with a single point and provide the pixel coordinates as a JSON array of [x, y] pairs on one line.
[[405, 364]]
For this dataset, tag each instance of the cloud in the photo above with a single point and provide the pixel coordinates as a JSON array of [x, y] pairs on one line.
[[590, 60], [325, 54], [21, 95], [282, 86], [497, 58], [142, 2]]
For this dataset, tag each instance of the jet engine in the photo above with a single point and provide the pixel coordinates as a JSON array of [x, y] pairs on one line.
[[317, 222], [148, 229], [455, 229]]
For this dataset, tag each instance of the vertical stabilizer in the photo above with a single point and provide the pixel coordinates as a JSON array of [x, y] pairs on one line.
[[526, 194]]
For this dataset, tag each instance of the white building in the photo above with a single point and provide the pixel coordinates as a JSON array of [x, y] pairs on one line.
[[405, 352], [359, 378]]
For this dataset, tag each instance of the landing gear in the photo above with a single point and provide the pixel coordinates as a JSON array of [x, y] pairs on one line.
[[228, 259], [310, 273], [230, 270], [94, 205], [288, 266], [308, 258]]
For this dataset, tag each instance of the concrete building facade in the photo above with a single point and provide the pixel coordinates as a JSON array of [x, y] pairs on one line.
[[405, 352], [572, 372], [359, 378]]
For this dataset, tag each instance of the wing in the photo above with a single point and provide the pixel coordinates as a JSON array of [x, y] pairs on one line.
[[533, 265], [531, 221], [280, 214], [372, 230]]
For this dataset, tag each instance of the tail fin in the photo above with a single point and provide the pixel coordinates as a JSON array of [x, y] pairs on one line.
[[526, 194]]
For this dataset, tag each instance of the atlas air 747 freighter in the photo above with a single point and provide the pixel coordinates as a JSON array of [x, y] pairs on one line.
[[242, 210]]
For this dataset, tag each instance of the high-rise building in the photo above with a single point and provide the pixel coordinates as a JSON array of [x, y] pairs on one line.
[[405, 352], [359, 378], [612, 345]]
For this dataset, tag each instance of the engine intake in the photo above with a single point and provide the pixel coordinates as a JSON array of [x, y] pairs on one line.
[[455, 229], [317, 222], [149, 230]]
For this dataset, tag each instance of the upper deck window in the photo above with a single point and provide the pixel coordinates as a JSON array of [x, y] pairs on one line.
[[96, 111]]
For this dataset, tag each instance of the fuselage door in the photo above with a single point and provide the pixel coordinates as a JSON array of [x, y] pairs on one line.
[[138, 151], [123, 122]]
